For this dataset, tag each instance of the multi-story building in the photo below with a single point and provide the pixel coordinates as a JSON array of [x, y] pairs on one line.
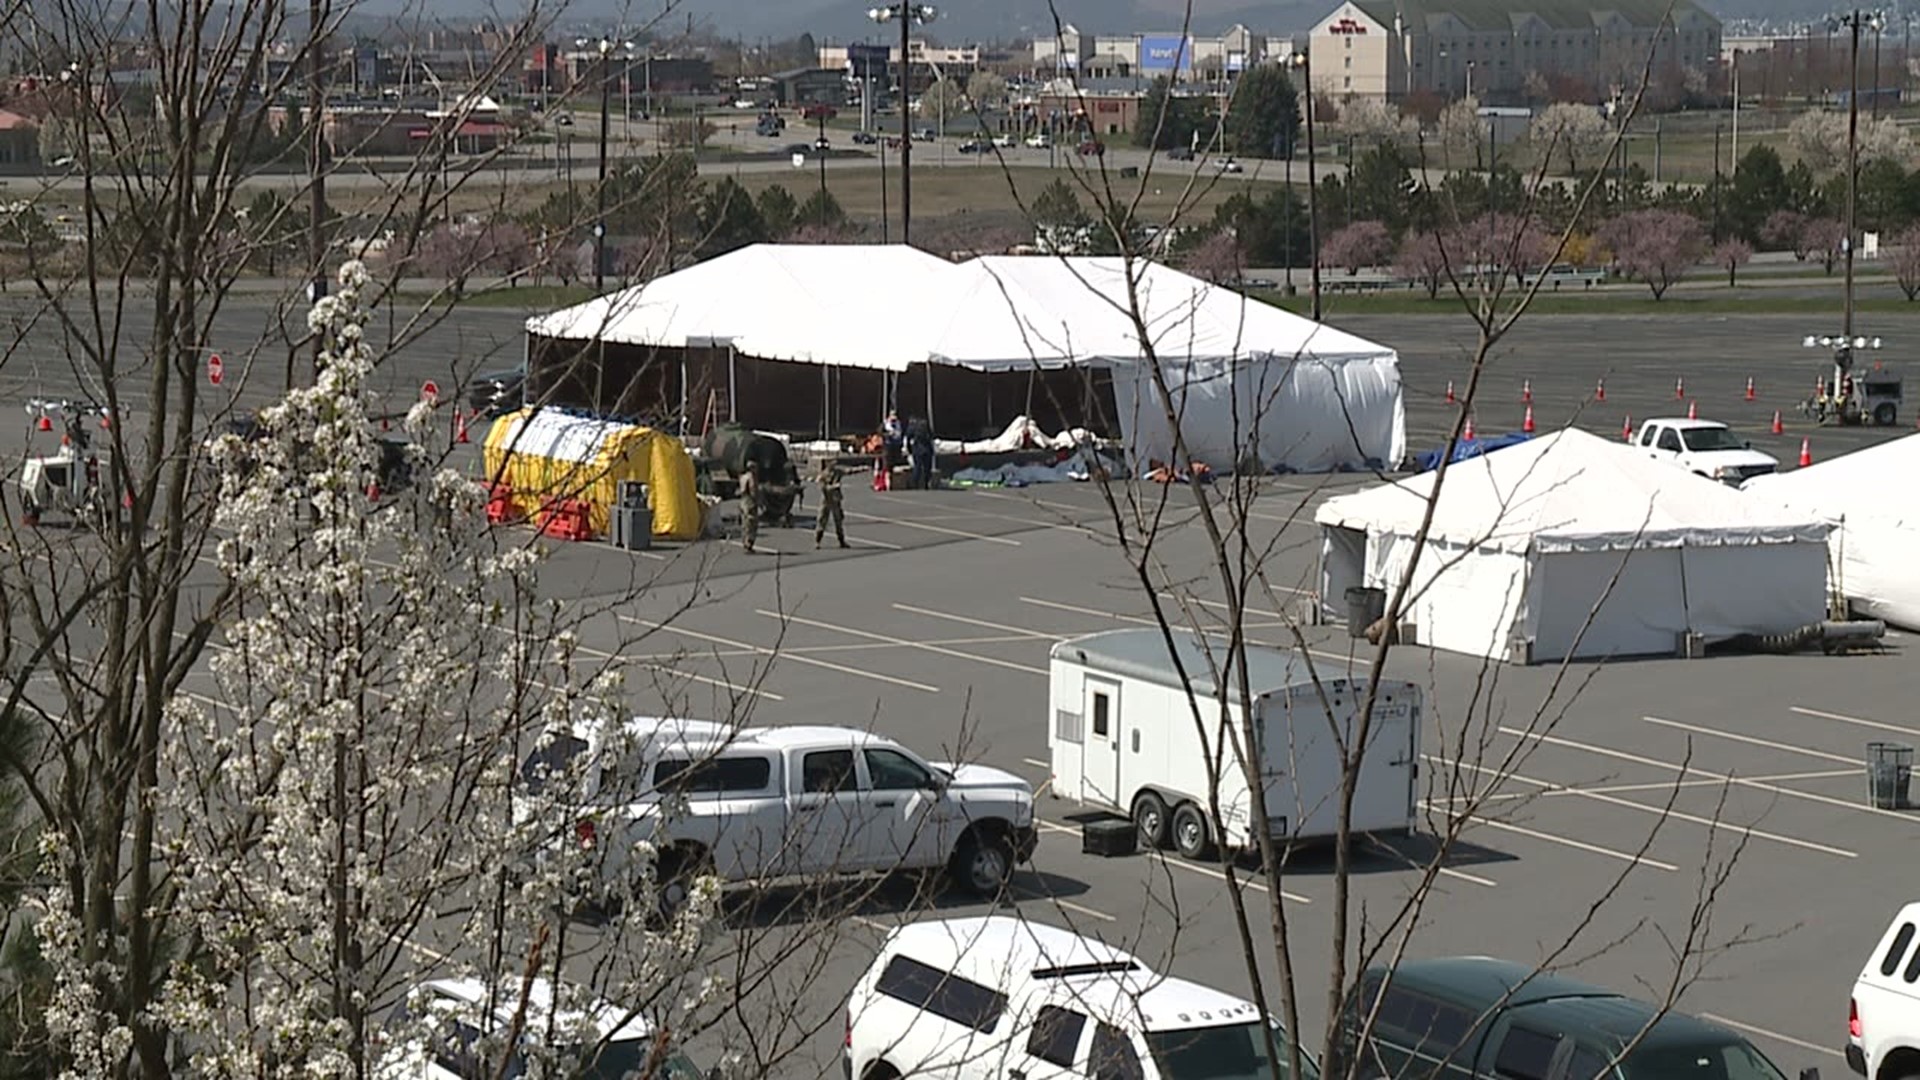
[[1501, 49]]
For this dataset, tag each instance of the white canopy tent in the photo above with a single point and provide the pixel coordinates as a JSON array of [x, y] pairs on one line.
[[1875, 509], [1530, 542], [1246, 378]]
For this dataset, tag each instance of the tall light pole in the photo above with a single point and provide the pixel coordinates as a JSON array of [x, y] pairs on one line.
[[604, 47], [1313, 191], [906, 14]]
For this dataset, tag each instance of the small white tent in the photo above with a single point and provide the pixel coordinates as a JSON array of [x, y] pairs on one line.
[[1572, 545], [1871, 499]]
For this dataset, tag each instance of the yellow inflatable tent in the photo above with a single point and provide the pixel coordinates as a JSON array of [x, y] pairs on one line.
[[545, 454]]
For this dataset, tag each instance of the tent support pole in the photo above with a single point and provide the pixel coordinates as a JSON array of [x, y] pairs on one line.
[[826, 393], [685, 420], [929, 368], [733, 399], [1032, 372]]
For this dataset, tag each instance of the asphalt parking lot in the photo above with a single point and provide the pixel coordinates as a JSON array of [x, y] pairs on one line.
[[935, 627]]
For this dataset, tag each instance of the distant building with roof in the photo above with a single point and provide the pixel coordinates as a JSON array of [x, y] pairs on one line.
[[1393, 49]]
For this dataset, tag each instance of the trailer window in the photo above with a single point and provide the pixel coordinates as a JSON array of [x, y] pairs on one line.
[[1102, 705]]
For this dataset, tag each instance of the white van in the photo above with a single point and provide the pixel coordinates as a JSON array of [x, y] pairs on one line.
[[1123, 737], [1002, 997], [1883, 1019]]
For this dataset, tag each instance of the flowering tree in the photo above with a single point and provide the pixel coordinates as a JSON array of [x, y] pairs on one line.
[[1732, 254], [1357, 246], [1906, 260], [1568, 130], [1422, 259], [1374, 118], [1218, 258], [1656, 246], [1461, 132], [1824, 239], [1786, 229]]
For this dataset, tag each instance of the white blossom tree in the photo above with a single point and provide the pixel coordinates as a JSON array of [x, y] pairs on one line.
[[1569, 131]]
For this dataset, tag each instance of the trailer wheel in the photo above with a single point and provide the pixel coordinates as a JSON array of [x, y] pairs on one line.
[[1150, 821], [1191, 837], [1884, 414]]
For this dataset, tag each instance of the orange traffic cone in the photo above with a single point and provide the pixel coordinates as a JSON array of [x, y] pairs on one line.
[[1526, 391], [1778, 428], [460, 427], [1526, 425], [46, 422], [386, 424], [1600, 390], [106, 420], [1679, 389], [1693, 410], [373, 491], [1450, 398], [1749, 388], [1806, 453], [1626, 429], [1466, 433]]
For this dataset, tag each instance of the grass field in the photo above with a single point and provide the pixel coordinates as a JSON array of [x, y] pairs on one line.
[[1676, 305]]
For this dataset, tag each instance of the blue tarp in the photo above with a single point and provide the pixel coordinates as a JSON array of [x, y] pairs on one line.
[[1468, 448]]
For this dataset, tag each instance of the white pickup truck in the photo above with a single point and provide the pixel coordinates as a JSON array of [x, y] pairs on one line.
[[762, 803], [1705, 448]]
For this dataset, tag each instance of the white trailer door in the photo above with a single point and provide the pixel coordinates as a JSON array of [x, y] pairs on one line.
[[1100, 774], [1384, 797]]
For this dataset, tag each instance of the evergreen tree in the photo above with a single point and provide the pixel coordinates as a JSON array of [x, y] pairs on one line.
[[1263, 115], [1167, 119], [729, 220], [777, 209]]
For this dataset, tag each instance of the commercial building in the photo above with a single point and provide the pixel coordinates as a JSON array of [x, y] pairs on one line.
[[1181, 57], [1505, 49]]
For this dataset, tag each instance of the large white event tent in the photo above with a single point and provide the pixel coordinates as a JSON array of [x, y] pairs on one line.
[[1875, 510], [1571, 545], [1244, 376]]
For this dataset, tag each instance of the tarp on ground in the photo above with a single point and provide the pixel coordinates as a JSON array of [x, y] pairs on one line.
[[1247, 379], [849, 305], [1872, 500], [547, 454], [1573, 545]]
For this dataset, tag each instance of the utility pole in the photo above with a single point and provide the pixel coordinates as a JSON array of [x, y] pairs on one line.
[[316, 165], [907, 13], [1313, 191], [600, 189]]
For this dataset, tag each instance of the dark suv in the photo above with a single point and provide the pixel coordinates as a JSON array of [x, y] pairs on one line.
[[497, 393]]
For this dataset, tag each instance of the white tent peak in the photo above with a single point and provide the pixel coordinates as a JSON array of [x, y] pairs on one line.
[[1571, 491], [1867, 482]]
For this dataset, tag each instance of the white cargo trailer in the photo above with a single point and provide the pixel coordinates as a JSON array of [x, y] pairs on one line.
[[1123, 737]]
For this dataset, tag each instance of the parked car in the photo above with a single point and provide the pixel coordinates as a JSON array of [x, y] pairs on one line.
[[1180, 153], [992, 997], [1705, 448], [564, 120], [440, 1041], [925, 134], [764, 803], [1883, 1015], [1039, 142], [976, 146], [1228, 165], [497, 393], [801, 149], [1489, 1019], [1003, 141], [865, 138], [1092, 148], [823, 144]]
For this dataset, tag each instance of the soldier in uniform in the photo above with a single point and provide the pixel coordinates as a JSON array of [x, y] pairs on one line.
[[830, 507], [749, 509]]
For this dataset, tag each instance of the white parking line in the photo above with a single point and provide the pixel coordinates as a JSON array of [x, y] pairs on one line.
[[1444, 871], [922, 646], [1788, 1040], [1768, 743], [1580, 845], [1138, 620], [811, 661], [1176, 861], [1688, 770], [1036, 763], [936, 528], [1845, 719], [930, 613], [721, 683], [1657, 811]]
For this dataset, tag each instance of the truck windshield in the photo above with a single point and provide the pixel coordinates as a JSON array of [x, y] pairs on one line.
[[1711, 438], [1232, 1052], [1708, 1061]]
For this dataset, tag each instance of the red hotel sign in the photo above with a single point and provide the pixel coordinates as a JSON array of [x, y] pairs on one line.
[[1347, 26]]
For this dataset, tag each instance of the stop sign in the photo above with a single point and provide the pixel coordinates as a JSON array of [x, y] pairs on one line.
[[215, 369], [430, 390]]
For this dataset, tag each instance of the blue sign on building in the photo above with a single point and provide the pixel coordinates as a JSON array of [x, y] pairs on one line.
[[1166, 53]]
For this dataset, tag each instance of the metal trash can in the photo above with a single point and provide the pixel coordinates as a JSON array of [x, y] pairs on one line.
[[1365, 606], [632, 518], [1889, 771]]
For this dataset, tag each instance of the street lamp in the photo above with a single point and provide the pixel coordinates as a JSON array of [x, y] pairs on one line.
[[1305, 64], [906, 14], [605, 47]]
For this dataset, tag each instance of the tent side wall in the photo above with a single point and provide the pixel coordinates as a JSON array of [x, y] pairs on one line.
[[1462, 600], [1877, 573]]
